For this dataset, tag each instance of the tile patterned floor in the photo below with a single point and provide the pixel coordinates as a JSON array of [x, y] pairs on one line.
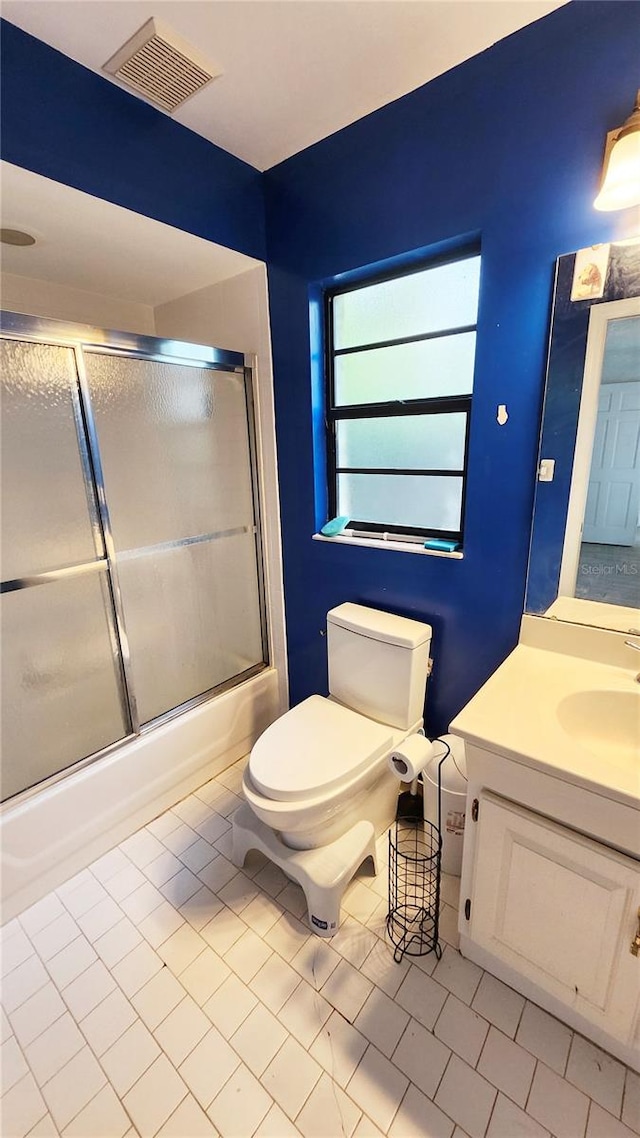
[[162, 992]]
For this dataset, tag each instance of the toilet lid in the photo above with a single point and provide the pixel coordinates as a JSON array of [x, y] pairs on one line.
[[314, 747]]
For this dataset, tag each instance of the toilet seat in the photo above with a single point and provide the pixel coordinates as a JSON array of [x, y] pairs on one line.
[[314, 748]]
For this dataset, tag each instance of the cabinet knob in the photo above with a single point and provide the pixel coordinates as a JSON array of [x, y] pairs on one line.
[[635, 943]]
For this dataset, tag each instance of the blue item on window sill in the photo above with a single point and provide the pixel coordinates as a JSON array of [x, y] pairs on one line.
[[442, 544], [334, 526]]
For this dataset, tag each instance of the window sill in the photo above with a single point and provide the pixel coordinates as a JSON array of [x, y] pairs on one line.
[[382, 543]]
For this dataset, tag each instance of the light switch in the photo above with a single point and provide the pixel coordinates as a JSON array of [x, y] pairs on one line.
[[546, 469]]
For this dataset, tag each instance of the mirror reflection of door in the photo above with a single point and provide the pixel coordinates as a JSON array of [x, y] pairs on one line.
[[602, 546]]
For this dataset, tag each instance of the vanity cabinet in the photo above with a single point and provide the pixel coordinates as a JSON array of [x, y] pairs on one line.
[[561, 909]]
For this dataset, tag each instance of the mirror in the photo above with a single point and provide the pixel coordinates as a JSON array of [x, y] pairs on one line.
[[584, 562]]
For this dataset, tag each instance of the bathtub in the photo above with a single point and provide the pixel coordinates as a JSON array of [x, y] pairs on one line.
[[51, 834]]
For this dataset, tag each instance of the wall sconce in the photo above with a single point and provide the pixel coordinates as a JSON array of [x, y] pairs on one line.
[[620, 186]]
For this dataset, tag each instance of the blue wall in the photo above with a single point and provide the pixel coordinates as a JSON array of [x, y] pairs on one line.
[[507, 146], [67, 123]]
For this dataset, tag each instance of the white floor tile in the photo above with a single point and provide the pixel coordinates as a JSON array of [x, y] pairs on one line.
[[338, 1047], [109, 864], [367, 1129], [51, 1050], [182, 1030], [141, 902], [258, 1039], [115, 944], [73, 1087], [377, 1087], [276, 1125], [601, 1124], [460, 976], [291, 1076], [41, 914], [71, 962], [192, 810], [631, 1101], [262, 913], [381, 968], [223, 931], [346, 989], [240, 1106], [217, 873], [181, 887], [163, 824], [87, 893], [247, 955], [292, 899], [287, 936], [16, 948], [13, 1065], [354, 942], [36, 1014], [207, 1068], [188, 1121], [448, 926], [136, 968], [328, 1110], [55, 936], [421, 1057], [557, 1105], [597, 1074], [141, 848], [103, 1117], [304, 1012], [270, 879], [238, 892], [381, 1021], [163, 868], [23, 982], [100, 918], [462, 1029], [508, 1121], [160, 924], [125, 882], [128, 1058], [204, 976], [418, 1117], [107, 1022], [22, 1107], [181, 949], [180, 839], [421, 997], [507, 1066], [44, 1128], [315, 961], [198, 855], [88, 990], [159, 996], [360, 901], [499, 1004], [5, 1027], [274, 982], [201, 908], [545, 1037], [154, 1097], [466, 1097]]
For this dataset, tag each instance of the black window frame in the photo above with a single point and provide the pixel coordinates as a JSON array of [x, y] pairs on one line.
[[434, 405]]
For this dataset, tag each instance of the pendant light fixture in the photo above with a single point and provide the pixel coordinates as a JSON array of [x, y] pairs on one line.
[[620, 185]]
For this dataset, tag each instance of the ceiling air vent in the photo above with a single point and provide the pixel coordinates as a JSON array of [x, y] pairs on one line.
[[162, 67]]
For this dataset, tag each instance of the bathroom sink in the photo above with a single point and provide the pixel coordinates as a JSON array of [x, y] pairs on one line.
[[606, 723]]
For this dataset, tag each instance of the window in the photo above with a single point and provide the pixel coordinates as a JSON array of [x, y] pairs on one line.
[[400, 362]]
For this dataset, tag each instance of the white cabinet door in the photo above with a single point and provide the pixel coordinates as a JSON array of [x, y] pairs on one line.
[[561, 909]]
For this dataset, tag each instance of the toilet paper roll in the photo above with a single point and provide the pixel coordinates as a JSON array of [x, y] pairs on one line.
[[410, 758]]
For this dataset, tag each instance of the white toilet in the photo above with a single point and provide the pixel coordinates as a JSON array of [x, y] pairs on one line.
[[322, 767]]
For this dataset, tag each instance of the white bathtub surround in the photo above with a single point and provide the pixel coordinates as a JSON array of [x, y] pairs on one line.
[[161, 992]]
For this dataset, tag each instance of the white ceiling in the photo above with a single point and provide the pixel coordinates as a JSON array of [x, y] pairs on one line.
[[92, 244], [295, 71]]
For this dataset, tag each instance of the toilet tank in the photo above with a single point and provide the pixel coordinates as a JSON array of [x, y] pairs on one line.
[[378, 663]]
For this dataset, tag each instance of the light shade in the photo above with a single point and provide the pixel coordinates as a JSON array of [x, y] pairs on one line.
[[621, 175]]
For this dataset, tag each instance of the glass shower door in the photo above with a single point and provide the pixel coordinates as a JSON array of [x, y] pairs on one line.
[[175, 447], [61, 670]]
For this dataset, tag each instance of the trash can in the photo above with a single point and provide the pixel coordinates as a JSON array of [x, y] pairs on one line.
[[453, 778]]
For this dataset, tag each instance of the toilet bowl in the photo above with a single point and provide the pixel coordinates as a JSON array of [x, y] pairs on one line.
[[320, 769]]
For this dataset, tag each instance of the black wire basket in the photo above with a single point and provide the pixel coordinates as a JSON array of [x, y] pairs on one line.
[[414, 888]]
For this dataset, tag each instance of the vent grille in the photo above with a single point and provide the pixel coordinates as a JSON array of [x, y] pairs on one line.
[[159, 65]]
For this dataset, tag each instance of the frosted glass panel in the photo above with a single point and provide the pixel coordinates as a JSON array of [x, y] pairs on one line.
[[422, 502], [193, 619], [429, 442], [175, 449], [428, 301], [422, 370], [59, 680], [45, 517]]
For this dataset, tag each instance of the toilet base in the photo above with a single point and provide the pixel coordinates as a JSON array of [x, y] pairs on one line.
[[322, 873]]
